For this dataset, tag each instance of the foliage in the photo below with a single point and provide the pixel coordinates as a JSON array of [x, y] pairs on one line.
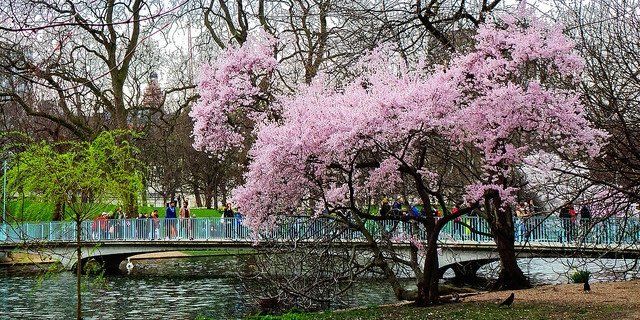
[[580, 276], [29, 210], [454, 131], [33, 209], [479, 115], [82, 175], [230, 94]]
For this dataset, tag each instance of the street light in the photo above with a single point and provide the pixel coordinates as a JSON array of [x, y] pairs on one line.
[[4, 191], [4, 199]]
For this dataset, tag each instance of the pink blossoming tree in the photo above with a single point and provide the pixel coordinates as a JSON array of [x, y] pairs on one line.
[[458, 132], [518, 99], [234, 95]]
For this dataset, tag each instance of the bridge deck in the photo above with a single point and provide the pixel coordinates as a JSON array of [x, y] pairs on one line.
[[534, 234], [111, 241]]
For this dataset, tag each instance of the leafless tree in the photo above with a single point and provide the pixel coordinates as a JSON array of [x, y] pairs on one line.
[[609, 39], [304, 263]]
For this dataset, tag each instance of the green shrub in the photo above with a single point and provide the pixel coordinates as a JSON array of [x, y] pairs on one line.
[[580, 276]]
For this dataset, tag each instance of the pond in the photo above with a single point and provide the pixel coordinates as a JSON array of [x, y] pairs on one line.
[[188, 287]]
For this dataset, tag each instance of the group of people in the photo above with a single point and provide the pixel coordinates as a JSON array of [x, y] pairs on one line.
[[571, 220], [177, 224], [523, 227], [398, 209], [116, 226], [415, 209], [172, 223]]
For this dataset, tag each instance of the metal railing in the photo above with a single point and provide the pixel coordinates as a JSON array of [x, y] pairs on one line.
[[534, 229]]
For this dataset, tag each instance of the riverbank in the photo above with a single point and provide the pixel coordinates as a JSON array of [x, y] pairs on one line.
[[22, 263], [192, 254], [23, 258], [611, 300]]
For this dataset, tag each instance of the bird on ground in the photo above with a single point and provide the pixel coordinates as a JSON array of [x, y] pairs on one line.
[[509, 301], [129, 265], [586, 287]]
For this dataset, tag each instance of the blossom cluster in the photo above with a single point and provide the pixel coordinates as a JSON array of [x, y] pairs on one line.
[[228, 89], [502, 101]]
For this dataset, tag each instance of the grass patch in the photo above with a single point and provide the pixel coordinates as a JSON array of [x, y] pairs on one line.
[[34, 211], [467, 311], [29, 210], [204, 213], [195, 212]]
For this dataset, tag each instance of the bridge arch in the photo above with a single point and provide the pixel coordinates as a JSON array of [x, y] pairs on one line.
[[465, 271]]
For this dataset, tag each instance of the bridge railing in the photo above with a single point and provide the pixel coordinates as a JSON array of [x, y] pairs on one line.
[[534, 229]]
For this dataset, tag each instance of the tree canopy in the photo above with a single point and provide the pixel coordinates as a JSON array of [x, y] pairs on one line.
[[444, 134], [82, 175]]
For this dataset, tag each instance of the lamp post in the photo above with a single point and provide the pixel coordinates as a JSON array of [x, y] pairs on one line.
[[4, 199], [4, 191]]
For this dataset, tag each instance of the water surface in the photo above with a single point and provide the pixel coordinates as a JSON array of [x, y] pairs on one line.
[[188, 287]]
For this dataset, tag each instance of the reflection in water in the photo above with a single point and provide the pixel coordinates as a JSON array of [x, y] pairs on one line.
[[122, 298], [156, 289], [557, 271], [186, 288]]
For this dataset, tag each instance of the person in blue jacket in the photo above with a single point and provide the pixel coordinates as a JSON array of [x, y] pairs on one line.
[[170, 219]]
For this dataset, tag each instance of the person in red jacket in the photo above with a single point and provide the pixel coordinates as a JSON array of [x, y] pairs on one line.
[[100, 226]]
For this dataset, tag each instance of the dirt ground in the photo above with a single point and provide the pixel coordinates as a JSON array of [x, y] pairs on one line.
[[625, 294]]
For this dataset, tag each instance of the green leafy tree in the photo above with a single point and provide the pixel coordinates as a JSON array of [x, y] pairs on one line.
[[84, 176]]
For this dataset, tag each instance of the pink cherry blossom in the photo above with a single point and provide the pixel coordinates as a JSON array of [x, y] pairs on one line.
[[509, 97], [228, 90]]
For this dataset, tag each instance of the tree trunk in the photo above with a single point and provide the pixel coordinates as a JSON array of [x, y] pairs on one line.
[[428, 291], [145, 199], [381, 262], [207, 202], [511, 276], [501, 222], [78, 269], [119, 113], [223, 190], [131, 206], [215, 197], [207, 197], [196, 193], [58, 211]]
